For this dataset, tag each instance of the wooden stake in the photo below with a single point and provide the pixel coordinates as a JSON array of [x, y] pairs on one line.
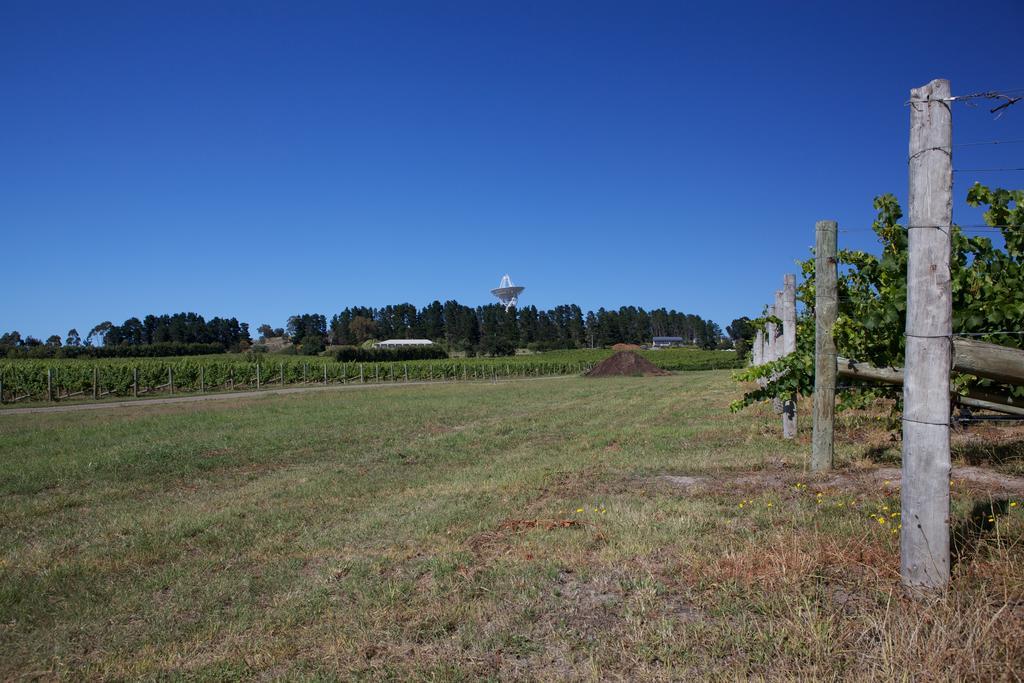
[[776, 352], [925, 542], [826, 308], [788, 347]]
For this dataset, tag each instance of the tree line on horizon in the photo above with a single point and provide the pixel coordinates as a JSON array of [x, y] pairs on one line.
[[492, 330], [483, 330]]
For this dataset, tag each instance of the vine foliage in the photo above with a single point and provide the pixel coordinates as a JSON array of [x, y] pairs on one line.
[[987, 282]]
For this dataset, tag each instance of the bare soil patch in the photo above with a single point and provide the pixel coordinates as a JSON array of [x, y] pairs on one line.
[[626, 364]]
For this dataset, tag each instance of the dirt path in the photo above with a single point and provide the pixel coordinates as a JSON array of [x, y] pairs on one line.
[[144, 402]]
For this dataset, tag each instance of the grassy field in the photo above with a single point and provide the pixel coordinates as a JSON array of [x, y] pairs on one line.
[[452, 532]]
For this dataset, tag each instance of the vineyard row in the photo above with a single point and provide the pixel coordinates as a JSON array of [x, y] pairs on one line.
[[74, 380]]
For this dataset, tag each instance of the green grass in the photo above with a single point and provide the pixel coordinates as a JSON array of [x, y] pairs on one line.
[[456, 532]]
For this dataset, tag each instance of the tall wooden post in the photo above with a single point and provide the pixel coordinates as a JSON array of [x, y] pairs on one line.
[[95, 383], [924, 543], [135, 382], [826, 309], [49, 384], [788, 347], [777, 346]]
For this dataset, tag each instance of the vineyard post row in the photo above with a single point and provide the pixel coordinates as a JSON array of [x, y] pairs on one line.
[[124, 380], [772, 343], [924, 493]]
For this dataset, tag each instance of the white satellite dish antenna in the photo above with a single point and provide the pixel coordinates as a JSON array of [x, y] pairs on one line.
[[507, 293]]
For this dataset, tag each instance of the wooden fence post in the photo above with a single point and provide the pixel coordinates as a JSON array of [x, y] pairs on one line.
[[95, 383], [826, 309], [257, 376], [925, 542], [49, 384], [773, 342], [281, 366], [325, 373], [360, 373], [135, 382], [788, 347], [202, 379], [170, 379]]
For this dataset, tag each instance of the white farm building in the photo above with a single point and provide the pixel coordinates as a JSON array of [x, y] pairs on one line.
[[396, 343]]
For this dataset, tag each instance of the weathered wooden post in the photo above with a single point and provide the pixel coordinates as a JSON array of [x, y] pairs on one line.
[[49, 384], [777, 346], [135, 382], [325, 373], [826, 309], [925, 542], [95, 383], [202, 379], [257, 376], [788, 347], [170, 379]]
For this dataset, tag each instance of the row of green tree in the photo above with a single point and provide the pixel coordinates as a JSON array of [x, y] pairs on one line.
[[485, 330], [180, 334], [492, 330]]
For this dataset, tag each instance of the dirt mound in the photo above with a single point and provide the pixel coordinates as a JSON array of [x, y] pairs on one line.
[[625, 347], [626, 363]]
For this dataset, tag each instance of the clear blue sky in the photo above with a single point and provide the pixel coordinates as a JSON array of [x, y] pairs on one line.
[[259, 159]]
